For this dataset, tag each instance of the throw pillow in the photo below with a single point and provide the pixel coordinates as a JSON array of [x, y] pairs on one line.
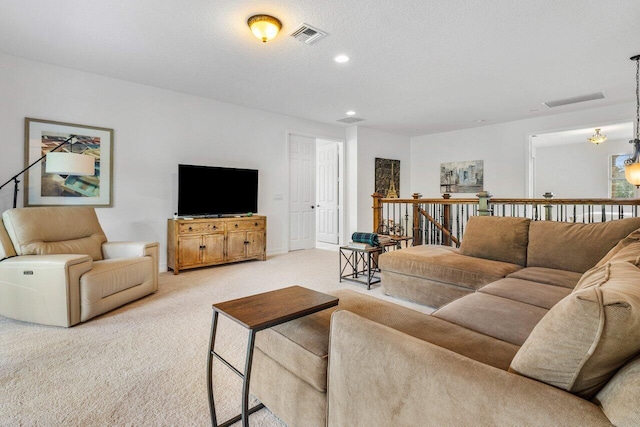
[[581, 342], [619, 398], [497, 238], [624, 250]]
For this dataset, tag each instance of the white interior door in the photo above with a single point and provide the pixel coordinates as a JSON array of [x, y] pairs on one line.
[[302, 218], [327, 192]]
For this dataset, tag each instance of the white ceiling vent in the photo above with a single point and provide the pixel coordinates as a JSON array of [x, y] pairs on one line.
[[307, 34], [350, 120], [574, 100]]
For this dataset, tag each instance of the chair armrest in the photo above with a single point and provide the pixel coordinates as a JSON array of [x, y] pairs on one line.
[[127, 249], [380, 376], [134, 249], [43, 288]]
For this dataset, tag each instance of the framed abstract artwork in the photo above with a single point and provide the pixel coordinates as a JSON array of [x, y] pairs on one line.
[[51, 189]]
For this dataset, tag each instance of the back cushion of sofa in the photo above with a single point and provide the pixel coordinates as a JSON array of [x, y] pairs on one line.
[[581, 342], [496, 238], [574, 246], [55, 230]]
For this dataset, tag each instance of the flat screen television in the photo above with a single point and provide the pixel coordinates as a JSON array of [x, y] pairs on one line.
[[216, 191]]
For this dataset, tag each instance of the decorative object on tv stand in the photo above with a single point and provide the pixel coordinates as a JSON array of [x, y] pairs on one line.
[[264, 27], [63, 163], [597, 138], [632, 165], [45, 188], [462, 177]]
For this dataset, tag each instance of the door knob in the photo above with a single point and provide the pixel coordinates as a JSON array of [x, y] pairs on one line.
[[313, 207]]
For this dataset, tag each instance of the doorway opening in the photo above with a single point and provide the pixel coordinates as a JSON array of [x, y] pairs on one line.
[[565, 163]]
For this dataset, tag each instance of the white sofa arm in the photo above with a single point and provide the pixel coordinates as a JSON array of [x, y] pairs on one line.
[[127, 249], [43, 288], [380, 376]]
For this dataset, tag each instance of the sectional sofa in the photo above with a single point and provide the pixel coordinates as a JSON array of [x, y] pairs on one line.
[[552, 340]]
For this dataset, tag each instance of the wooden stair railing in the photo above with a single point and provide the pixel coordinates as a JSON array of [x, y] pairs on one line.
[[442, 221]]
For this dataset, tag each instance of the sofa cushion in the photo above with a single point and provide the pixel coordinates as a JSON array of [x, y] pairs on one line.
[[55, 230], [588, 335], [620, 396], [302, 345], [501, 318], [438, 263], [534, 293], [111, 276], [574, 246], [498, 238], [548, 276]]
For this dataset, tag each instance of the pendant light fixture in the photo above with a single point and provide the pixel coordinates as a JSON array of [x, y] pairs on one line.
[[597, 137], [632, 165], [264, 27]]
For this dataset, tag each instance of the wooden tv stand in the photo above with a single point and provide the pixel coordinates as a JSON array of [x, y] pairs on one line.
[[202, 242]]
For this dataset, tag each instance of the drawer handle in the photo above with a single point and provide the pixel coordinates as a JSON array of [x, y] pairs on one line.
[[190, 229], [256, 224], [236, 225], [214, 227]]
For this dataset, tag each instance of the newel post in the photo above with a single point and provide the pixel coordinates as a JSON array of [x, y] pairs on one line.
[[483, 203], [548, 212], [446, 221], [377, 211], [417, 236]]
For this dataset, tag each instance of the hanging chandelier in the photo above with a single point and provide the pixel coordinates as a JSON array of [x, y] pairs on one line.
[[632, 165], [597, 137]]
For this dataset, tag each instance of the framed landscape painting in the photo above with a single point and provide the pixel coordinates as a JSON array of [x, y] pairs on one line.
[[49, 189], [462, 177]]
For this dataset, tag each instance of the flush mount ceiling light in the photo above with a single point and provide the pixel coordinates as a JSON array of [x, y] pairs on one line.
[[351, 113], [341, 58], [597, 137], [632, 165], [264, 27]]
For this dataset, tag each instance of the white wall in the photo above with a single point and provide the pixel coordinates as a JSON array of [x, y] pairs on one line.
[[576, 170], [154, 131], [371, 144], [351, 176], [503, 147]]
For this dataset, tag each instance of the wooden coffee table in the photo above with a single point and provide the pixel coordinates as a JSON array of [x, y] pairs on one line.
[[258, 312]]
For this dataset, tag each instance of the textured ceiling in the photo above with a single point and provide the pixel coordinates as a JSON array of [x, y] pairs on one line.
[[417, 66]]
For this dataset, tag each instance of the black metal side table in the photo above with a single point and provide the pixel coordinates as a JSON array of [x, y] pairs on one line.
[[258, 312], [360, 264]]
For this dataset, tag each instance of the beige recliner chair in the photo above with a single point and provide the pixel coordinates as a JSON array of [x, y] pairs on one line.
[[58, 269]]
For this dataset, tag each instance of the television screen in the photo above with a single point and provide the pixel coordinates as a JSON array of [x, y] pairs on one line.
[[211, 191]]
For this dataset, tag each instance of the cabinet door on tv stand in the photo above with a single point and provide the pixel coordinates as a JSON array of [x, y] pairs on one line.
[[236, 248], [255, 247], [189, 250], [213, 250]]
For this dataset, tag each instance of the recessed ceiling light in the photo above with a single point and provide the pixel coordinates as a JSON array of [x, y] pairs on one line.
[[341, 58], [351, 113]]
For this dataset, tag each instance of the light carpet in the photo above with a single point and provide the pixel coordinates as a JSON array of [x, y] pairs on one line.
[[144, 364]]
